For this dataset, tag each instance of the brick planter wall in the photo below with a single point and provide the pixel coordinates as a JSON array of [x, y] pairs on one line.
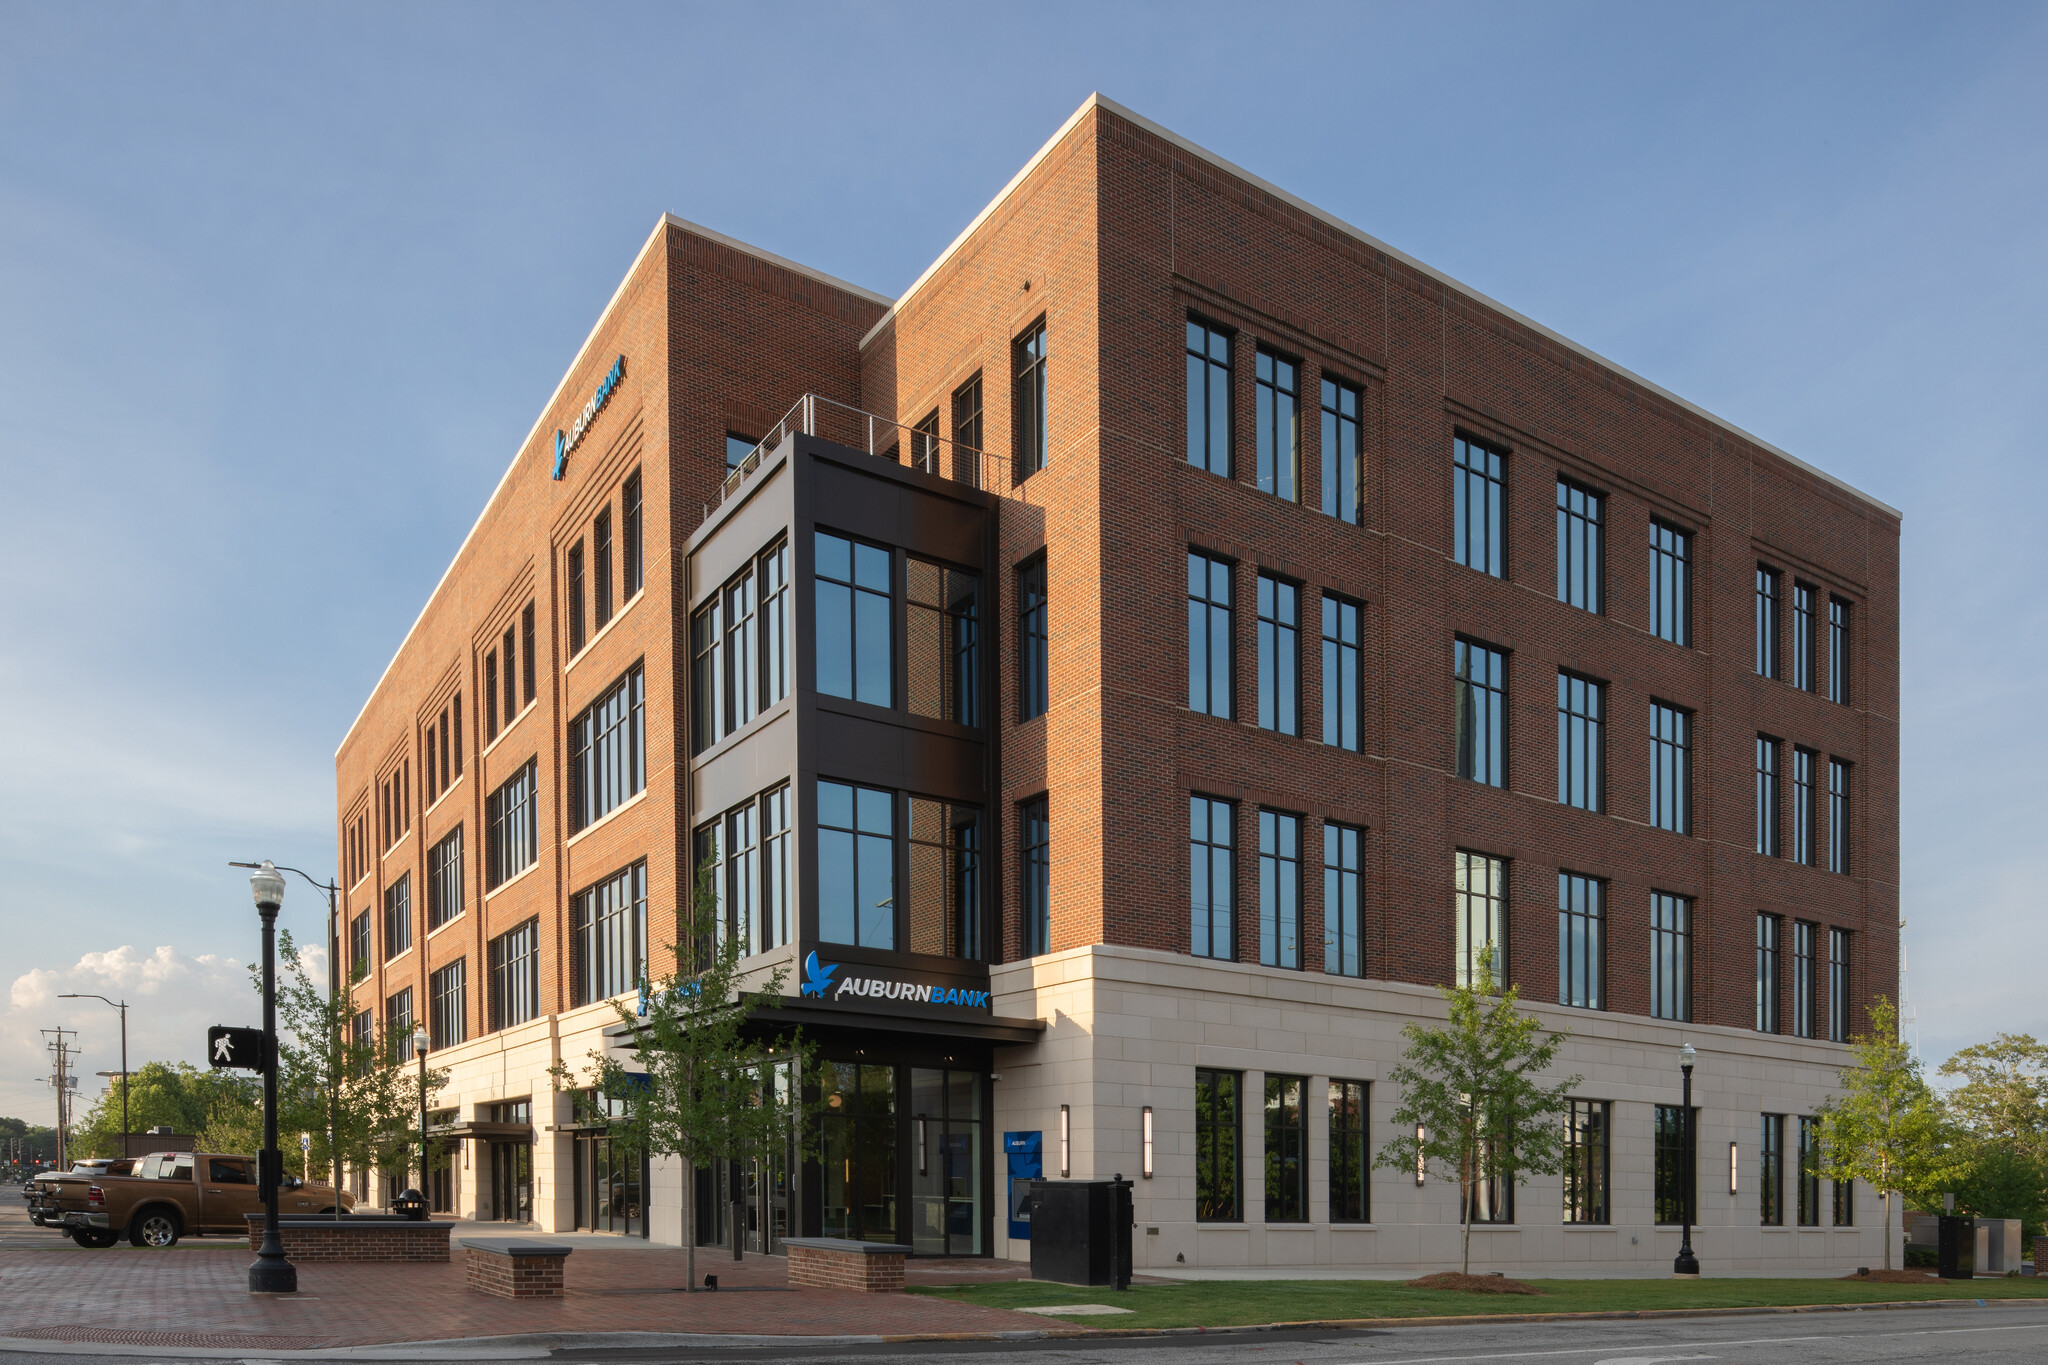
[[507, 1270], [356, 1239], [828, 1263]]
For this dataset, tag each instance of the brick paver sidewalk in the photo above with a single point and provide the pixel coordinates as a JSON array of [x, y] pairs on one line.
[[196, 1295]]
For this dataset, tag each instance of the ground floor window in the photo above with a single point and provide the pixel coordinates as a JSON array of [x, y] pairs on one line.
[[1286, 1150], [611, 1186], [1770, 1182], [1350, 1159], [1216, 1150], [1845, 1203], [1672, 1180], [1809, 1173], [945, 1162], [1492, 1200], [1586, 1162], [857, 1151]]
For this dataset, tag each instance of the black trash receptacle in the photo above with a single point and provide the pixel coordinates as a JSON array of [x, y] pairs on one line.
[[1081, 1232], [1958, 1255]]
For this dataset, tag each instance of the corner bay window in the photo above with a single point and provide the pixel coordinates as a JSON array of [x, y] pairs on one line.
[[942, 635], [608, 751], [739, 649], [608, 937], [512, 827], [933, 904], [1217, 1160], [856, 865], [855, 645]]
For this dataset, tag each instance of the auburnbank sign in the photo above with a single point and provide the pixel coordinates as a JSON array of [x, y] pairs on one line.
[[567, 442], [820, 985]]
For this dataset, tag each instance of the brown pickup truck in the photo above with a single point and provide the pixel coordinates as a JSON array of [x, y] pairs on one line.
[[162, 1200]]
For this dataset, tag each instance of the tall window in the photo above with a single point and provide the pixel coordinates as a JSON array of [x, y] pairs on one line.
[[1803, 762], [1768, 928], [854, 644], [1036, 837], [608, 937], [575, 599], [776, 925], [1480, 708], [1208, 398], [1673, 1178], [515, 975], [1838, 816], [1212, 868], [1579, 546], [967, 431], [398, 1022], [1277, 390], [1838, 650], [526, 652], [856, 865], [1670, 584], [608, 751], [1343, 674], [1767, 796], [1803, 947], [742, 685], [511, 827], [1286, 1150], [1670, 956], [1802, 635], [1838, 985], [1586, 1126], [1581, 941], [1479, 901], [444, 880], [1209, 646], [1670, 768], [1766, 622], [447, 1005], [943, 914], [1027, 401], [1581, 742], [633, 559], [1845, 1203], [1493, 1200], [708, 708], [1478, 508], [1033, 641], [601, 564], [1343, 900], [1279, 889], [775, 621], [942, 630], [398, 916], [1809, 1172], [1279, 655], [1343, 454], [1216, 1146], [1350, 1156], [1770, 1175], [359, 945], [490, 695]]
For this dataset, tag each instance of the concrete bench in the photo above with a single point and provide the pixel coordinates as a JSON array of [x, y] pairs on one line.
[[355, 1237], [839, 1263], [515, 1267]]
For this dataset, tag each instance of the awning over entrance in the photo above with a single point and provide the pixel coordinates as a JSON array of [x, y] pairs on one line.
[[482, 1131], [807, 1015]]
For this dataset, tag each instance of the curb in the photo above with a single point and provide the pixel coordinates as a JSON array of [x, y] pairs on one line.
[[542, 1345]]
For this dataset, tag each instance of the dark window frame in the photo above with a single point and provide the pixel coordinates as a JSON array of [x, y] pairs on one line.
[[1209, 425], [1343, 673], [1581, 546], [1212, 865], [1030, 404], [1479, 505], [1479, 711], [1276, 408], [1670, 603], [1670, 767], [1588, 1170], [1034, 640], [1581, 941], [1285, 1148], [1343, 899], [1208, 617], [1280, 900], [1279, 653], [1219, 1146], [1581, 742], [1671, 933], [1034, 866], [1343, 450]]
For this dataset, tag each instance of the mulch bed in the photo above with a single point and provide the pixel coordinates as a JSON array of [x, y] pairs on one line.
[[1895, 1277], [1473, 1284]]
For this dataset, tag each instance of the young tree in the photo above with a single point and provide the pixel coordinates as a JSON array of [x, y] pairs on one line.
[[710, 1091], [1887, 1127], [1471, 1106]]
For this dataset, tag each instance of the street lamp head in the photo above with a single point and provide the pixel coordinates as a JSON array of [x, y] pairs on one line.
[[420, 1040], [1686, 1056], [267, 886]]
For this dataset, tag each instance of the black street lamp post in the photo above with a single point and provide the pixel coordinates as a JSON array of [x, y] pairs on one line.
[[420, 1043], [126, 1128], [1686, 1263], [270, 1273], [334, 979]]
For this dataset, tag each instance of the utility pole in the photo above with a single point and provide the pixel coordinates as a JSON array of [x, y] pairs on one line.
[[61, 1079]]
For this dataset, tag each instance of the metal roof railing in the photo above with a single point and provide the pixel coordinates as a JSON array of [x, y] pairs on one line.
[[921, 447]]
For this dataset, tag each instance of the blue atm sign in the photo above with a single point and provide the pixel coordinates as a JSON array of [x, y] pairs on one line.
[[566, 442]]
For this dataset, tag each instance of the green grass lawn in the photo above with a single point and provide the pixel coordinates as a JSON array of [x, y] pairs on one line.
[[1229, 1303]]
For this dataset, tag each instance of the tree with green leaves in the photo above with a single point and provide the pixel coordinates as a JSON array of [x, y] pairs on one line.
[[351, 1092], [1887, 1127], [221, 1110], [710, 1089], [2001, 1095], [1472, 1107]]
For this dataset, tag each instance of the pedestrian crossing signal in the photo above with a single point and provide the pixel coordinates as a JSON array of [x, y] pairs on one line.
[[235, 1048]]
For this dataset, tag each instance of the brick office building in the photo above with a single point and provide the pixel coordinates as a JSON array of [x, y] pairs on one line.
[[1118, 680]]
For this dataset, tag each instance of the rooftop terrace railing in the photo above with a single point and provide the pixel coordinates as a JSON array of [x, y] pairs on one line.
[[920, 447]]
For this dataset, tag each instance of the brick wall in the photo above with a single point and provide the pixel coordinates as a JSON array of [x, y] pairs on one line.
[[822, 1268], [359, 1242], [514, 1277]]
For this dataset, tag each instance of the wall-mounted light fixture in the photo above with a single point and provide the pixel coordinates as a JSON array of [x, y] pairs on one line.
[[1421, 1172], [921, 1157], [1066, 1148], [1145, 1160], [1733, 1165]]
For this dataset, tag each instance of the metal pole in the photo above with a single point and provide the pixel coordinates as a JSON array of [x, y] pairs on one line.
[[1687, 1263], [126, 1127], [271, 1273], [422, 1053]]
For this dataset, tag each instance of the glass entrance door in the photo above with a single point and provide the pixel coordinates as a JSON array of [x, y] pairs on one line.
[[857, 1151], [511, 1182], [946, 1157], [611, 1187]]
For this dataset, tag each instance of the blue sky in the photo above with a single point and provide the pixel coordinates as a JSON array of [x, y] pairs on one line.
[[283, 287]]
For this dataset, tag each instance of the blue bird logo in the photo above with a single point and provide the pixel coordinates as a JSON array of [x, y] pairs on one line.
[[820, 978]]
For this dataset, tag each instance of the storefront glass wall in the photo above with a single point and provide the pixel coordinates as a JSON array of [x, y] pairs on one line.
[[946, 1162], [857, 1151]]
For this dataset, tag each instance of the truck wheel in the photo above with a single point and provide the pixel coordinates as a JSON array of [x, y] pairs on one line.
[[93, 1239], [155, 1228]]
